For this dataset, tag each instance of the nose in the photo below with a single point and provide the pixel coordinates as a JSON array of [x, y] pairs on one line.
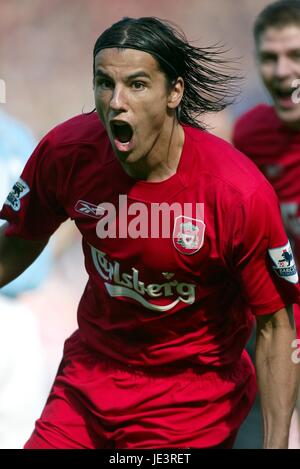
[[118, 99], [283, 67]]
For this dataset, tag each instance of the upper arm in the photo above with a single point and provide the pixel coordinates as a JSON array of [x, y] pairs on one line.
[[34, 207], [21, 246], [16, 254], [262, 257]]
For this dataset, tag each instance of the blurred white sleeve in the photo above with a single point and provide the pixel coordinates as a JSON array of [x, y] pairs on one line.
[[23, 380]]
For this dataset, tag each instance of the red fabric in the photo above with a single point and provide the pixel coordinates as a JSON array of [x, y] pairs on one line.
[[95, 403], [275, 149], [148, 303]]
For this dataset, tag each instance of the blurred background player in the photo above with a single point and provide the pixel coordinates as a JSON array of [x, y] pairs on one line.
[[16, 145], [270, 134], [22, 364], [31, 310]]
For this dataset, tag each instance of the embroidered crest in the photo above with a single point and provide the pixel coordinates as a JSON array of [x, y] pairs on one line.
[[188, 234]]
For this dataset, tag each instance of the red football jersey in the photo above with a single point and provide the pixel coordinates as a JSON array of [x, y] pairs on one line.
[[275, 149], [156, 300]]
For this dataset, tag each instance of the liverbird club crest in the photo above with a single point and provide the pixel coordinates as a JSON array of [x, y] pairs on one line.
[[188, 235]]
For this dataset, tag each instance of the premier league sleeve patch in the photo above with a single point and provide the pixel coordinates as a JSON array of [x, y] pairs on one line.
[[283, 263], [20, 188]]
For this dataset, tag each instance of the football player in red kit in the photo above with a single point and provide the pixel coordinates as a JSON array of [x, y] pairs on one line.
[[184, 247], [269, 134]]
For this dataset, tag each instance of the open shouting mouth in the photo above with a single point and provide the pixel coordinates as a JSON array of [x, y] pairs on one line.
[[284, 97], [122, 134]]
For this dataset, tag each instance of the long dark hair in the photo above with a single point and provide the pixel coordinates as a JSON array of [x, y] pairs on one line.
[[210, 84]]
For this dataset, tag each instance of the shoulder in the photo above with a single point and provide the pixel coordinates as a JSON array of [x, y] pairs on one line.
[[81, 129], [16, 140], [256, 114], [226, 168], [258, 121], [79, 138]]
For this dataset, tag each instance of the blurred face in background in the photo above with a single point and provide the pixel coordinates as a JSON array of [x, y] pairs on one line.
[[278, 52]]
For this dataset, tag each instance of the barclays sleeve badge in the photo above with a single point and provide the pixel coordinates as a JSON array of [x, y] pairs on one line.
[[283, 263], [20, 188]]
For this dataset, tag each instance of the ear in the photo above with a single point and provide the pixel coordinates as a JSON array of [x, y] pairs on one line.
[[176, 93]]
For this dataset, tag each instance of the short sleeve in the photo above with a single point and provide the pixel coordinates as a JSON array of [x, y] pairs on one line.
[[262, 258], [33, 207]]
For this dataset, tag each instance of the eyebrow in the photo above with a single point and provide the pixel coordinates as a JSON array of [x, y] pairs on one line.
[[101, 73], [267, 52], [271, 52], [139, 73]]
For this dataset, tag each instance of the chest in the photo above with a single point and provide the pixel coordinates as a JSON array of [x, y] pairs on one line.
[[126, 234]]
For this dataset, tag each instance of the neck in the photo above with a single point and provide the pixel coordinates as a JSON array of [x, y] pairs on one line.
[[162, 161], [294, 126]]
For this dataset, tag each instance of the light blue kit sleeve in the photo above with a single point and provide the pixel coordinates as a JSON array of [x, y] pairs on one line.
[[16, 145]]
